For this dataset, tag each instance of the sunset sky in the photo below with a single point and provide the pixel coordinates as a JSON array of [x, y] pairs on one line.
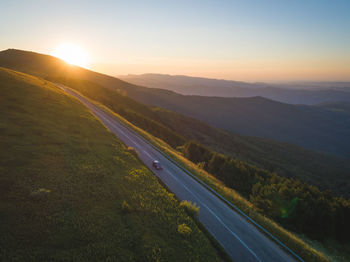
[[261, 40]]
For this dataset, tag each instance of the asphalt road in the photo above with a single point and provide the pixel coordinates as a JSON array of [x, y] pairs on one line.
[[240, 239]]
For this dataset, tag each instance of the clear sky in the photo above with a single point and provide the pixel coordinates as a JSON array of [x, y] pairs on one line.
[[251, 40]]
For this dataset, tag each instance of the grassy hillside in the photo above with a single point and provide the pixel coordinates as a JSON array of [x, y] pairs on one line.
[[69, 190], [174, 128], [49, 66]]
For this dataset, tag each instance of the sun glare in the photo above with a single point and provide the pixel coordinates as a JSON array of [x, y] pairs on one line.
[[72, 54]]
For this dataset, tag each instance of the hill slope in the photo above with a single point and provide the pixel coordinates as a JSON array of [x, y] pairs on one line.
[[296, 93], [343, 107], [319, 169], [176, 129], [69, 190], [307, 126]]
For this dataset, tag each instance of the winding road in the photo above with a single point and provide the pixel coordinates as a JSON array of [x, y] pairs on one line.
[[241, 240]]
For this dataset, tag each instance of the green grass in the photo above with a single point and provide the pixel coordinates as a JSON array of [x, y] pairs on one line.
[[308, 250], [70, 190], [191, 208]]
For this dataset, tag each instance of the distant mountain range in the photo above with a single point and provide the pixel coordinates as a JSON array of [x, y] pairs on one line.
[[308, 93]]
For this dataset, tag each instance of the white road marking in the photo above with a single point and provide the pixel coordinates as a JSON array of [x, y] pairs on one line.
[[119, 129], [104, 118], [201, 203], [99, 113]]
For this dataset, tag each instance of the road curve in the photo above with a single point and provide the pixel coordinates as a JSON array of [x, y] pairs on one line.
[[240, 239]]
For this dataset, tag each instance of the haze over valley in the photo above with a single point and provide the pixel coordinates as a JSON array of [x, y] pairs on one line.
[[309, 93]]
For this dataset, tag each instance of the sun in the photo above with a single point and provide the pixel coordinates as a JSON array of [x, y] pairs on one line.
[[72, 54]]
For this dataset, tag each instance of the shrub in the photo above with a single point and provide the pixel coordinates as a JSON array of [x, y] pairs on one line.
[[156, 254], [126, 207], [132, 151], [184, 230], [191, 208]]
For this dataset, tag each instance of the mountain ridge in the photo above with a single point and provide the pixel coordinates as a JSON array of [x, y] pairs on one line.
[[293, 93], [311, 127]]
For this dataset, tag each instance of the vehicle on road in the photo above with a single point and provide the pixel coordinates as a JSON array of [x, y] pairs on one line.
[[157, 165]]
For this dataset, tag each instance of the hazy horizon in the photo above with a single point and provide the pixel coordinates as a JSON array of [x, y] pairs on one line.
[[255, 41], [236, 80]]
